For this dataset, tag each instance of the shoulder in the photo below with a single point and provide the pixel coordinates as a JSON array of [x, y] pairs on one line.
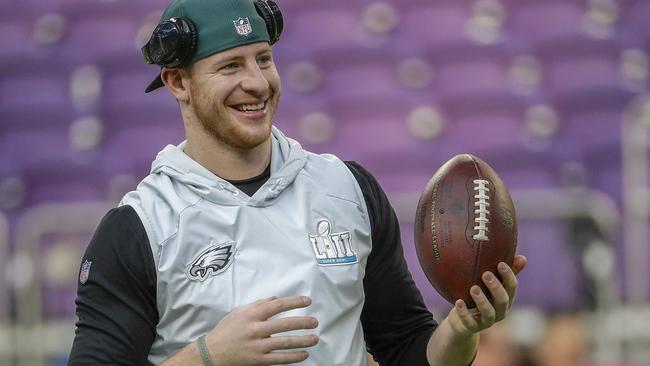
[[373, 194], [158, 201], [118, 223], [362, 175], [119, 241], [118, 231], [380, 211], [334, 174]]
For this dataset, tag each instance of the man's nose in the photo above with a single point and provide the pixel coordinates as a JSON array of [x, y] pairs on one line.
[[255, 81]]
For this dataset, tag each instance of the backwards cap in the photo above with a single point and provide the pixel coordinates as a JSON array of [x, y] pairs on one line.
[[215, 22]]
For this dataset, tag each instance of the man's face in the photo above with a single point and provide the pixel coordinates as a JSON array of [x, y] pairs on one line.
[[234, 94]]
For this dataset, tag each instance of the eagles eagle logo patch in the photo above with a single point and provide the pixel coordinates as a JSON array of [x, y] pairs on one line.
[[212, 261]]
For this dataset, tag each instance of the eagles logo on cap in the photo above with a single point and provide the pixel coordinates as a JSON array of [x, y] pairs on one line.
[[243, 26]]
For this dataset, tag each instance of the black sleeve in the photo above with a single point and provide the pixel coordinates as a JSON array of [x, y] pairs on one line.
[[396, 323], [116, 305]]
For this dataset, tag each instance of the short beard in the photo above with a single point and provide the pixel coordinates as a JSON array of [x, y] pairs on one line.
[[225, 133]]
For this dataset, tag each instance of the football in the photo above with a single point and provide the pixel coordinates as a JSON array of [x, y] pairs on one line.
[[465, 225]]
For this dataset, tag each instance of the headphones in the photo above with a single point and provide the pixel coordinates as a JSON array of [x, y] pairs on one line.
[[173, 42]]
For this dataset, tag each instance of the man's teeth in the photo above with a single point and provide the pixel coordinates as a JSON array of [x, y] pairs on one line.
[[250, 107]]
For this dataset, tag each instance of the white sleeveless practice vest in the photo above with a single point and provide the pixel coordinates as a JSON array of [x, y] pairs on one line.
[[305, 232]]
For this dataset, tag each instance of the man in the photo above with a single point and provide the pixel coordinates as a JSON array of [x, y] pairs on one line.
[[241, 248]]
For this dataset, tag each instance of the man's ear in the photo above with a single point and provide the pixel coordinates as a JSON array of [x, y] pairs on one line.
[[177, 81]]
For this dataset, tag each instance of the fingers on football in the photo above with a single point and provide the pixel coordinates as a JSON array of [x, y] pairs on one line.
[[270, 327], [279, 305], [519, 263], [485, 308], [509, 281], [500, 298], [466, 317], [289, 342]]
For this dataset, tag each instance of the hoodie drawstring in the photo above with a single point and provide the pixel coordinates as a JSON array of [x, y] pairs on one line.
[[225, 187], [277, 183]]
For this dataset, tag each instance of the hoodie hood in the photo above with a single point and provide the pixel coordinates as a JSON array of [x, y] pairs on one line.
[[287, 160]]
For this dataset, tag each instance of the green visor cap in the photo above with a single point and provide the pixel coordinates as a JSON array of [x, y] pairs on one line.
[[216, 23]]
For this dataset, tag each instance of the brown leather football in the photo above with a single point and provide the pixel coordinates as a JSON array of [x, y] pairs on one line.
[[465, 225]]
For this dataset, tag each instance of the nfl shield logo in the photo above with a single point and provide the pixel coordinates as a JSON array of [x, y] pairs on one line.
[[243, 26], [85, 271]]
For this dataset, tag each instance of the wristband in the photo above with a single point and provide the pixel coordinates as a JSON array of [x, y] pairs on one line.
[[203, 349]]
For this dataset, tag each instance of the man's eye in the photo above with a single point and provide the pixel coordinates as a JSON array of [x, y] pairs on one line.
[[265, 60], [230, 66]]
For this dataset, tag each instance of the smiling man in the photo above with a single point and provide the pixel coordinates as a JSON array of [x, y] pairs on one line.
[[241, 248]]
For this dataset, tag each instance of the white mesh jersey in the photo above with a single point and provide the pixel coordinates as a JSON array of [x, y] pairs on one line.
[[304, 232]]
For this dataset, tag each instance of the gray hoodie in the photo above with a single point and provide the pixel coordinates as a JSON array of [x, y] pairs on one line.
[[304, 232]]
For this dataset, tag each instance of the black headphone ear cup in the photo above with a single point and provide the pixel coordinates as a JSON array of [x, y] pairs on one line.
[[270, 12], [279, 20], [190, 41], [172, 43]]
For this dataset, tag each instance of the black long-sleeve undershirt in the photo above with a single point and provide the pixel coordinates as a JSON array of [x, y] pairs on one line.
[[117, 305]]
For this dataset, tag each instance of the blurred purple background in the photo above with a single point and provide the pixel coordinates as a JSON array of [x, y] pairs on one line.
[[552, 93]]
